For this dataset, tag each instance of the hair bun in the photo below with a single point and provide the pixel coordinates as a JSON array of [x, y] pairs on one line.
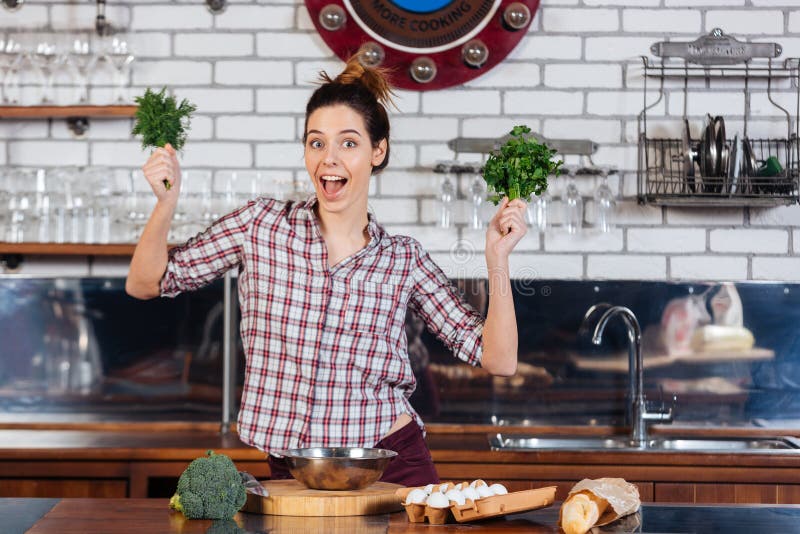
[[375, 80]]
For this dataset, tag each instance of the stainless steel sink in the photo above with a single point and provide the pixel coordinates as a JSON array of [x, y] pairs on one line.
[[517, 442]]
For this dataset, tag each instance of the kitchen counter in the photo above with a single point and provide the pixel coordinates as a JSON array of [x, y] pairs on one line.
[[118, 516]]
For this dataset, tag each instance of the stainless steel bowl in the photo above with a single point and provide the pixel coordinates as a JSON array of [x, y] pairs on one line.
[[337, 468]]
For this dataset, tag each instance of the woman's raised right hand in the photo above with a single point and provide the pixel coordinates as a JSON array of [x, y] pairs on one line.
[[163, 165]]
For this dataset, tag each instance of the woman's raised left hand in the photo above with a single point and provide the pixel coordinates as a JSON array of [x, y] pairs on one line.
[[505, 230]]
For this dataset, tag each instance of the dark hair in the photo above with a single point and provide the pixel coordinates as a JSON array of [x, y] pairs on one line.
[[366, 91]]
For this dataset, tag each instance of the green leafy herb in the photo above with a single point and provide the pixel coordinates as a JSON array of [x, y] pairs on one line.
[[161, 120], [520, 167]]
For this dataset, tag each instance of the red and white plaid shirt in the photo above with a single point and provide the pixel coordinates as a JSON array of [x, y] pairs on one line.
[[327, 363]]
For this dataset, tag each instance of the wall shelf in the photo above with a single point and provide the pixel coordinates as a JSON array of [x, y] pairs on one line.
[[47, 112], [67, 249]]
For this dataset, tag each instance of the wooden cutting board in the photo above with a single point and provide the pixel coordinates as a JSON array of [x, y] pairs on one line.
[[290, 497]]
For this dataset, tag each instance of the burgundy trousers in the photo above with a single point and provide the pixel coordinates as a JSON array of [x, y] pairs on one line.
[[413, 465]]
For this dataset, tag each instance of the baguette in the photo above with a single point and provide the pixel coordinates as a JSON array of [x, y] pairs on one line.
[[581, 511]]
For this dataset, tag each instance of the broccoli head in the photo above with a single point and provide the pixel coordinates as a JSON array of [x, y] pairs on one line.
[[209, 488]]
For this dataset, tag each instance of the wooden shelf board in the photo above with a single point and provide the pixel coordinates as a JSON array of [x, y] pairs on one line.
[[66, 249], [43, 112]]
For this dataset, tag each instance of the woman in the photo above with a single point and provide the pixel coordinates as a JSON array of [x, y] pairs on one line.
[[323, 291]]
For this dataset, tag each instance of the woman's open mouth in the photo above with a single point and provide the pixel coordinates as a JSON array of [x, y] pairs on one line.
[[332, 184]]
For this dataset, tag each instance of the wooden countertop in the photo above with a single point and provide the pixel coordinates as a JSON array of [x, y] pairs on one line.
[[122, 516], [467, 448]]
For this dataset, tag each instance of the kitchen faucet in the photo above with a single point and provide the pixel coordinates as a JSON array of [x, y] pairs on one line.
[[636, 408]]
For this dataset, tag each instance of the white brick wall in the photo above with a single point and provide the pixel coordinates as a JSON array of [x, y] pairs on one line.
[[576, 74]]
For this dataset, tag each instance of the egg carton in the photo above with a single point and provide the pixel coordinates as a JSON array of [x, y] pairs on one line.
[[483, 508]]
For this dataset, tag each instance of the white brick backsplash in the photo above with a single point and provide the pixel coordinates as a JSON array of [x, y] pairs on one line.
[[700, 103], [621, 267], [622, 157], [214, 44], [259, 73], [461, 102], [621, 103], [282, 100], [244, 17], [761, 3], [666, 240], [303, 19], [548, 47], [580, 75], [712, 268], [2, 152], [404, 183], [635, 3], [218, 154], [245, 127], [454, 267], [776, 269], [432, 238], [403, 156], [586, 241], [117, 154], [109, 267], [508, 74], [393, 210], [543, 102], [220, 100], [201, 128], [98, 129], [631, 213], [476, 239], [661, 21], [81, 17], [796, 241], [694, 217], [31, 17], [170, 18], [580, 20], [48, 153], [761, 106], [695, 3], [778, 216], [746, 22], [53, 266], [406, 102], [27, 129], [546, 266], [160, 73], [423, 129], [617, 48], [496, 126], [794, 22], [429, 155], [600, 131], [291, 45], [150, 44], [752, 241], [280, 155], [306, 73]]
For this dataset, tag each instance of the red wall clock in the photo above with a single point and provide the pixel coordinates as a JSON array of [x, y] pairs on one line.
[[427, 44]]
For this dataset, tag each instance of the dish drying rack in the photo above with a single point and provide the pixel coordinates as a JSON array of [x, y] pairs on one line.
[[718, 170], [583, 148]]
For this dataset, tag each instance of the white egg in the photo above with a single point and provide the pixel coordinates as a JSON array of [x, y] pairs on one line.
[[476, 483], [484, 491], [498, 489], [471, 494], [456, 496], [416, 496], [460, 486], [428, 489], [438, 500], [443, 487]]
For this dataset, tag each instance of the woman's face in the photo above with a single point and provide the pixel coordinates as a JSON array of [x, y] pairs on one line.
[[339, 157]]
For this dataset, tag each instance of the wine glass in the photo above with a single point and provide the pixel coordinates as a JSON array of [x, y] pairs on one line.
[[447, 198], [121, 59], [573, 207], [538, 211], [605, 205], [477, 192]]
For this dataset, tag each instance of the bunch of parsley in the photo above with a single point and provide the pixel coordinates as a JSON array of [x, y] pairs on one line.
[[520, 167], [160, 119]]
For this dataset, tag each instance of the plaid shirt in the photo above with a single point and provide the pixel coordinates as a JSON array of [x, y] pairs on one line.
[[326, 354]]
